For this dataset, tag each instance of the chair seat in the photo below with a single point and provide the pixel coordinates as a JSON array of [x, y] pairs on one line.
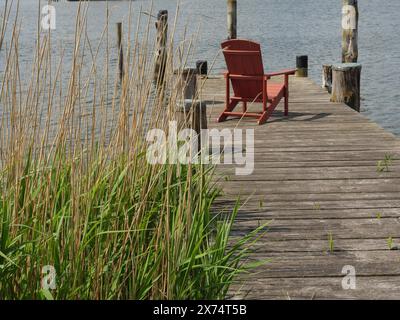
[[274, 90]]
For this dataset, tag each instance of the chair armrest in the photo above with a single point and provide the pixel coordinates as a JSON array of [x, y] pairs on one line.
[[225, 73], [286, 72]]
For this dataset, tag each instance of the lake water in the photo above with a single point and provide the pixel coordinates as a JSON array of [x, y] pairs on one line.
[[285, 28]]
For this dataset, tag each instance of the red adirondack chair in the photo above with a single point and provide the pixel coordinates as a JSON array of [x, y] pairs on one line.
[[250, 83]]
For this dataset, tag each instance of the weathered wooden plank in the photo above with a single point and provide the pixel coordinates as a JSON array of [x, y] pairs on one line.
[[266, 245], [295, 214], [307, 144], [320, 229], [327, 264], [298, 125], [261, 202], [320, 164], [268, 176], [269, 199], [310, 173], [262, 157], [372, 287], [265, 149], [310, 186]]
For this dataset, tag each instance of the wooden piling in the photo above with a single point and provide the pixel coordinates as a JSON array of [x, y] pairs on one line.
[[350, 31], [346, 84], [327, 77], [120, 51], [186, 84], [199, 117], [191, 113], [202, 67], [302, 66], [161, 50], [232, 19]]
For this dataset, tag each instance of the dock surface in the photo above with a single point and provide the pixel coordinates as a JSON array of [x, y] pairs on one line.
[[317, 181]]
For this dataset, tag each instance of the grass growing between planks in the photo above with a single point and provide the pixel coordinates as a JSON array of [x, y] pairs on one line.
[[77, 192]]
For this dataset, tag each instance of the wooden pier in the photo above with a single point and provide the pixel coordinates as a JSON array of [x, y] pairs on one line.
[[316, 180]]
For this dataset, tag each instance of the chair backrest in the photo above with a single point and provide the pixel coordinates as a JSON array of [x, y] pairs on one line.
[[243, 57]]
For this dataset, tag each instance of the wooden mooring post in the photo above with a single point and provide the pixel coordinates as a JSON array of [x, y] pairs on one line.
[[186, 83], [190, 112], [302, 66], [346, 84], [327, 77], [120, 51], [232, 19], [161, 50], [343, 80], [350, 31], [202, 68]]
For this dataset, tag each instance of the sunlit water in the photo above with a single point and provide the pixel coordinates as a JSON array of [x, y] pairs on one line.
[[285, 28]]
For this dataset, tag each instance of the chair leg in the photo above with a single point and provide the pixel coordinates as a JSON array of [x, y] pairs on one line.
[[286, 102], [228, 108], [222, 117], [266, 114], [263, 118]]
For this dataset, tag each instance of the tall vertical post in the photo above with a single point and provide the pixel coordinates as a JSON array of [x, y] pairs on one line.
[[232, 19], [120, 51], [350, 31], [161, 50]]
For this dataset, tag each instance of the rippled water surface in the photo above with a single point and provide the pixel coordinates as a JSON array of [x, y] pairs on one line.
[[285, 28]]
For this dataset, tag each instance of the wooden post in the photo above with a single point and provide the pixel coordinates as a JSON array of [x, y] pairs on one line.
[[350, 31], [161, 50], [191, 113], [232, 19], [327, 77], [202, 67], [302, 66], [120, 51], [346, 84], [199, 117], [186, 84]]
